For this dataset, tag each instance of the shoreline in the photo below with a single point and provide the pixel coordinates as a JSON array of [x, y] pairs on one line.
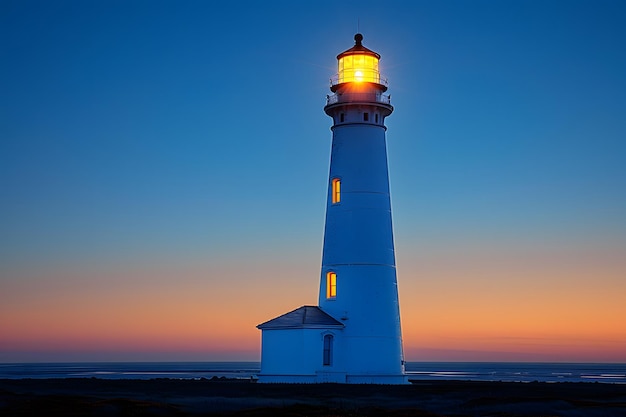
[[233, 397], [461, 371]]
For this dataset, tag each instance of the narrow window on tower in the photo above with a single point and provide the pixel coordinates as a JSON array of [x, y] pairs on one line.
[[336, 190], [331, 285], [328, 350], [341, 117], [366, 116], [376, 118]]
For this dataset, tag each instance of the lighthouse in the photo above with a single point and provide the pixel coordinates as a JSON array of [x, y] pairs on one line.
[[353, 335]]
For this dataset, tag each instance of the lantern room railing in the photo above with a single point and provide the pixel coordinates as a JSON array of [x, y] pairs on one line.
[[376, 97], [375, 78]]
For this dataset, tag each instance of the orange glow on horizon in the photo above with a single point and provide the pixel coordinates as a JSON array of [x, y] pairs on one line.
[[513, 303], [456, 304]]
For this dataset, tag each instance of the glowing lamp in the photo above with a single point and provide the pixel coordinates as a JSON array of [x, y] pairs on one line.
[[358, 64]]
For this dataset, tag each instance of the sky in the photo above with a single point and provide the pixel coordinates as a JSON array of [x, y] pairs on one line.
[[163, 173]]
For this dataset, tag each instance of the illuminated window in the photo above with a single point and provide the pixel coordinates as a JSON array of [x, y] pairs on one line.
[[328, 350], [336, 190], [331, 285]]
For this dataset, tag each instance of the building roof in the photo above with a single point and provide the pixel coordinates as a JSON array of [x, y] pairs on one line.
[[305, 317], [358, 48]]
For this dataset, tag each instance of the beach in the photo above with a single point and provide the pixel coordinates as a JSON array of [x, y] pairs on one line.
[[230, 397]]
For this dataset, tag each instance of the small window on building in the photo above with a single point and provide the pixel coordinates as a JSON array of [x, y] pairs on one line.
[[341, 117], [366, 116], [331, 285], [336, 190], [328, 350], [376, 118]]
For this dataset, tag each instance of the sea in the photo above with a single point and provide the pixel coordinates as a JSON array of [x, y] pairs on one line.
[[614, 373]]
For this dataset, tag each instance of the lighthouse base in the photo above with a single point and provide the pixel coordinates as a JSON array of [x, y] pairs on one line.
[[324, 377], [319, 377], [377, 379]]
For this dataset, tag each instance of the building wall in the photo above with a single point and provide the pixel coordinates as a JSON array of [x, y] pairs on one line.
[[296, 355]]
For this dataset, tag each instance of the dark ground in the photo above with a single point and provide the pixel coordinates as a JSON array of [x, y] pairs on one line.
[[171, 397]]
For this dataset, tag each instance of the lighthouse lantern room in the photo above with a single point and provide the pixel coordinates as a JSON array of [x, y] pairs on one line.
[[353, 335]]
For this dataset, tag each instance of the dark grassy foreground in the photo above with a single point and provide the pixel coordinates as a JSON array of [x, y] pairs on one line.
[[170, 397]]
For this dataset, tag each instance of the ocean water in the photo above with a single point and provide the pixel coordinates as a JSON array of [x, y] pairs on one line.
[[130, 370], [518, 371], [468, 371]]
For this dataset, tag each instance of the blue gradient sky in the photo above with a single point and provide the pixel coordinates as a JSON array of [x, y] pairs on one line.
[[163, 170]]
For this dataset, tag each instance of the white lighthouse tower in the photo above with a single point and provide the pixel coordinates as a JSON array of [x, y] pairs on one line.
[[353, 335]]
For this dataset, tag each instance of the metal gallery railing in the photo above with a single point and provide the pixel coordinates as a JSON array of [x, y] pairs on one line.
[[373, 97]]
